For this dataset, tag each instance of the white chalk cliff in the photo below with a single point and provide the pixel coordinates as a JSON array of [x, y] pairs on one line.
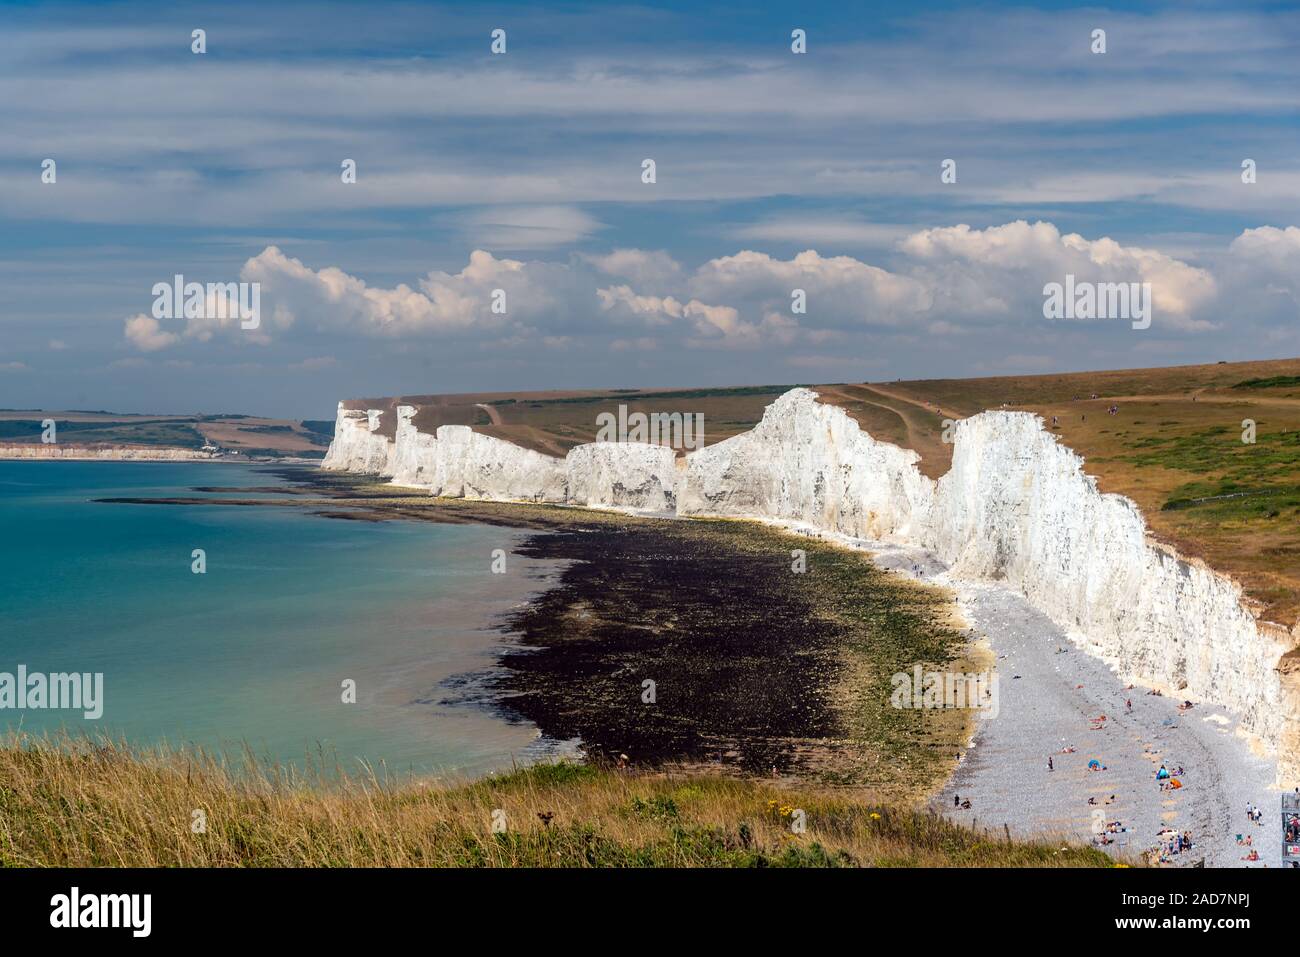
[[622, 475], [1015, 507], [123, 453], [357, 445]]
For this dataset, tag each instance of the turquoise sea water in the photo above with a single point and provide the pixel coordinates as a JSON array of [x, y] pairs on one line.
[[255, 650]]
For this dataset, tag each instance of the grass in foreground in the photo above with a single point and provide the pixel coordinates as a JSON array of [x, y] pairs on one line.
[[66, 803]]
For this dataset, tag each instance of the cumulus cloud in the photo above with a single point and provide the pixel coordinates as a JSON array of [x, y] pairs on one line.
[[147, 335], [1001, 271], [942, 281], [444, 303], [655, 310], [332, 297], [1261, 279], [645, 268], [840, 290]]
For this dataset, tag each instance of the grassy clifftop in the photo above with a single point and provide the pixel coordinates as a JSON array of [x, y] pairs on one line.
[[78, 804]]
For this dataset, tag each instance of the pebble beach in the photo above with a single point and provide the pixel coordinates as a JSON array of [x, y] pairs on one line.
[[1052, 696]]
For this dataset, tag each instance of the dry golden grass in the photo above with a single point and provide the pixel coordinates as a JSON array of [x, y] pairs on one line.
[[66, 803]]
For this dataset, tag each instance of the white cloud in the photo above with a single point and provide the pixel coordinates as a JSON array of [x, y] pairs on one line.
[[654, 310], [840, 290], [943, 282], [1262, 276], [1000, 272], [442, 302], [146, 334], [645, 268]]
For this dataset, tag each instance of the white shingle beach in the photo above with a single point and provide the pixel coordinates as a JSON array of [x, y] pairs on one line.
[[1051, 697]]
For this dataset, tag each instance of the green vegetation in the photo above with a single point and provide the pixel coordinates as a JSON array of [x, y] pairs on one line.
[[1238, 488], [1236, 466], [889, 625], [80, 803], [1269, 382], [319, 427], [162, 432], [273, 453], [272, 438], [631, 395]]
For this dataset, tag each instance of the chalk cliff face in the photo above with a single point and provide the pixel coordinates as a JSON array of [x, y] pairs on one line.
[[54, 451], [357, 445], [410, 460], [466, 464], [1016, 507], [622, 475], [810, 463]]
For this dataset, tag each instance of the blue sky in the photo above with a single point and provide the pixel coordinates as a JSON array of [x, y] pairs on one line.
[[522, 172]]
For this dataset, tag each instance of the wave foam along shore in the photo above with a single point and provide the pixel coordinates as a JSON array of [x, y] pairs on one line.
[[1016, 508]]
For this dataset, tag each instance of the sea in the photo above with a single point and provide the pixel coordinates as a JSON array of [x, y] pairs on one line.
[[258, 648]]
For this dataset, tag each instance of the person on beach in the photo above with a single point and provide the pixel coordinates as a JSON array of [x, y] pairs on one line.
[[1049, 762]]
